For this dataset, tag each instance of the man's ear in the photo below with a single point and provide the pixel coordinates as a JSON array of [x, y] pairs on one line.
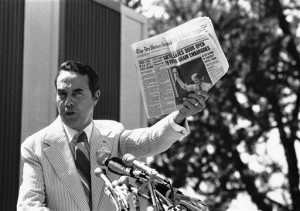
[[96, 97]]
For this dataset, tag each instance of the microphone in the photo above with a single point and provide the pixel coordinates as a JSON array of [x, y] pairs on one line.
[[116, 165], [103, 154], [100, 173], [130, 160], [123, 180], [190, 203], [116, 198]]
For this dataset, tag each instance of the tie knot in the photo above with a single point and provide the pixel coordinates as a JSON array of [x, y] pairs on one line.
[[82, 137]]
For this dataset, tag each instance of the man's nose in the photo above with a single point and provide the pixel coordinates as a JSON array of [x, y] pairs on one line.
[[69, 102]]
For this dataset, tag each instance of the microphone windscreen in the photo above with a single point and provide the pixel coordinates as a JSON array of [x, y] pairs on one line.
[[128, 159], [103, 154], [98, 171]]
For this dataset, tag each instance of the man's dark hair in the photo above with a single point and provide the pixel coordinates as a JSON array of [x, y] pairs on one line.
[[82, 69]]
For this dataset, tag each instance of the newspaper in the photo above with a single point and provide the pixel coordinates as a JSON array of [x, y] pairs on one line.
[[187, 58]]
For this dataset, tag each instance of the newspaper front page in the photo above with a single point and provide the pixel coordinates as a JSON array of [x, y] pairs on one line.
[[187, 58]]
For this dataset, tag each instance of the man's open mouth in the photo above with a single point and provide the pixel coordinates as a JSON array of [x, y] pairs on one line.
[[69, 113]]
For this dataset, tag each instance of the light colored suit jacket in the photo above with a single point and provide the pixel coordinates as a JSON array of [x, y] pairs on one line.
[[50, 177]]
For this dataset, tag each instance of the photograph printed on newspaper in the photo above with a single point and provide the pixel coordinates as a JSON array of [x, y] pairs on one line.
[[187, 58]]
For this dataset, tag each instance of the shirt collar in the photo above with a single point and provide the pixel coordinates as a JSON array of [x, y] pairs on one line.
[[71, 132]]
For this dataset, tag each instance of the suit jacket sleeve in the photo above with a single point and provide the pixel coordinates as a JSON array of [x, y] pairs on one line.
[[32, 190], [145, 142]]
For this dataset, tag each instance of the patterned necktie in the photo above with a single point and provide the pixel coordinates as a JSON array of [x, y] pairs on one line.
[[82, 161]]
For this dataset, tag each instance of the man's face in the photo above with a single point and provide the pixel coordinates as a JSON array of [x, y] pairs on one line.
[[175, 73], [74, 99], [196, 80]]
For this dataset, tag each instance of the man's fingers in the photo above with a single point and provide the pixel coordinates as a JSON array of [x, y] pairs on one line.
[[199, 95], [193, 102], [204, 95], [198, 98]]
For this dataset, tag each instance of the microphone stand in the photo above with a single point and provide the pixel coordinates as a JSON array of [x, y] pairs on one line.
[[117, 197], [121, 194], [110, 195], [136, 201], [155, 197], [153, 194], [165, 200], [172, 201], [191, 203]]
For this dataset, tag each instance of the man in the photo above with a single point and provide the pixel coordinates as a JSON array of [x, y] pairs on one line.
[[196, 86], [50, 177]]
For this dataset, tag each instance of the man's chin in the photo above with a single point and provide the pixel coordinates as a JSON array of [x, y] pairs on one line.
[[70, 122]]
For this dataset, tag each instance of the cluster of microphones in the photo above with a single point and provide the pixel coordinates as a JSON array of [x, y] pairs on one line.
[[150, 185]]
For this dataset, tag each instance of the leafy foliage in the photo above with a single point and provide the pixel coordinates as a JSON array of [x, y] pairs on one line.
[[134, 4], [227, 151]]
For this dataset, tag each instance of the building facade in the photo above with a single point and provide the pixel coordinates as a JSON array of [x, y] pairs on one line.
[[35, 37]]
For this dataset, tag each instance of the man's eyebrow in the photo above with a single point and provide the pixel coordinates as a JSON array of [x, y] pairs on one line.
[[78, 90]]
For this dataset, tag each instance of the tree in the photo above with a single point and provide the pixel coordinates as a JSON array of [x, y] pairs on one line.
[[259, 96], [133, 4]]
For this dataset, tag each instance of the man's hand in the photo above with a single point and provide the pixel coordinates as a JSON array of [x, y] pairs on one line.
[[195, 103]]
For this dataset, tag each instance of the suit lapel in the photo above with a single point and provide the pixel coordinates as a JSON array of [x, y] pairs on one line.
[[98, 140], [60, 157]]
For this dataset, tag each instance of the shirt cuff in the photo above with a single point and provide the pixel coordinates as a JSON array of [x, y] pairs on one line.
[[178, 128]]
